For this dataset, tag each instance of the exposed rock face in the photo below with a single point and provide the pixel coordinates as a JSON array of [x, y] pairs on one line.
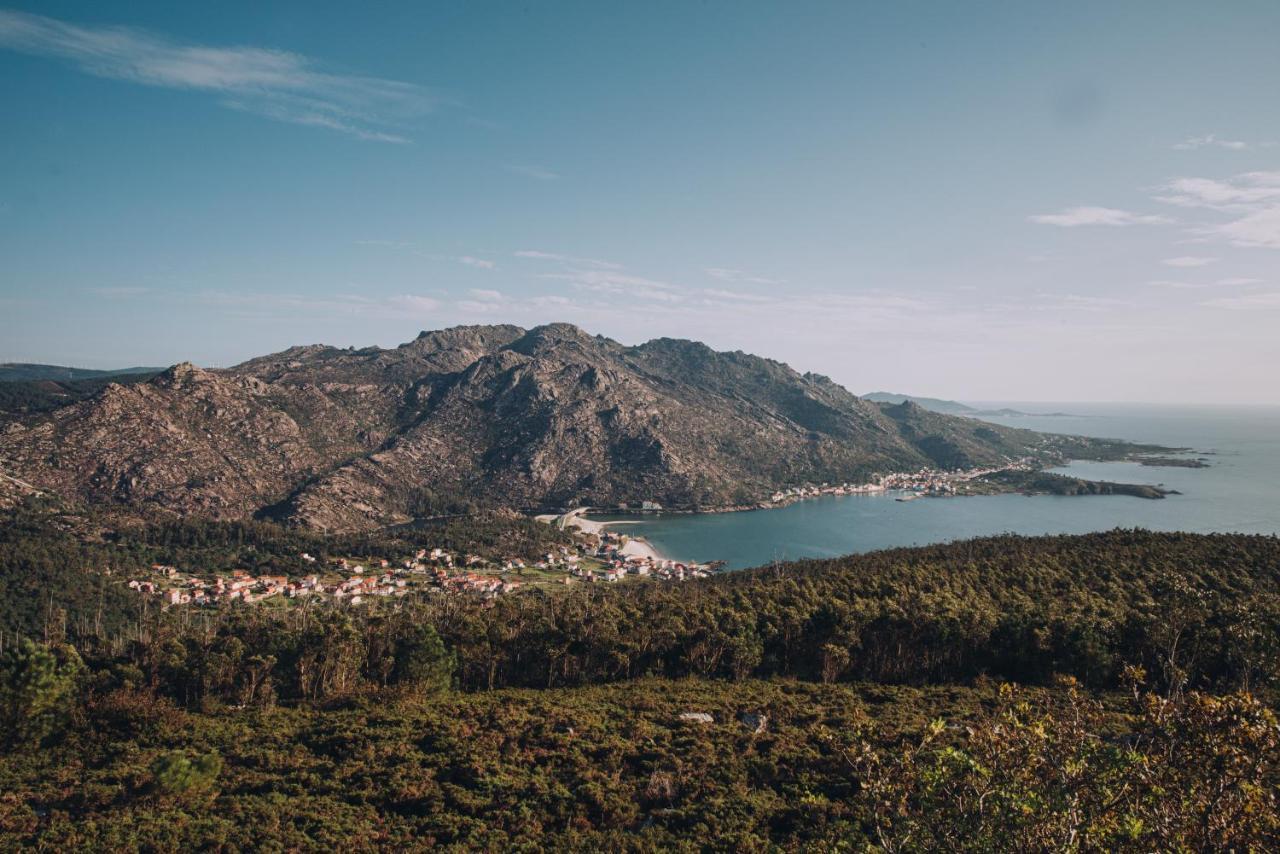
[[355, 439]]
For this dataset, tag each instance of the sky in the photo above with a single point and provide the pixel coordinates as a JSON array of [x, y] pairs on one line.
[[997, 201]]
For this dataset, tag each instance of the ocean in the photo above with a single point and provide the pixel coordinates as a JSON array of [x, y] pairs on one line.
[[1239, 492]]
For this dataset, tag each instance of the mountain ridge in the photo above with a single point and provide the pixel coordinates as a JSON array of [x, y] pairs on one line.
[[345, 439]]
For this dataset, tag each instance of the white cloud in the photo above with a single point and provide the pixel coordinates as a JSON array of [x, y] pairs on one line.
[[1088, 215], [622, 284], [1247, 302], [726, 274], [720, 293], [538, 173], [1211, 140], [1188, 261], [275, 84], [1253, 198], [415, 304], [1260, 229], [1217, 283], [121, 292], [539, 255], [1070, 302], [291, 306], [472, 261], [1240, 192], [486, 295]]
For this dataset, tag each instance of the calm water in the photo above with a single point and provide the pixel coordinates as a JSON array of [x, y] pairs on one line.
[[1239, 492]]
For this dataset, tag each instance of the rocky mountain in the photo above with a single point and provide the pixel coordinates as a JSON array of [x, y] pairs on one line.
[[346, 439]]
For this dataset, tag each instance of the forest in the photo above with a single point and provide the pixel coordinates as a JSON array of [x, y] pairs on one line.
[[1110, 691]]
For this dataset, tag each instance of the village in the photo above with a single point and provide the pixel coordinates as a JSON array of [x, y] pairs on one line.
[[597, 557], [926, 482]]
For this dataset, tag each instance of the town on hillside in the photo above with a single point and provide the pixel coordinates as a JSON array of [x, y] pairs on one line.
[[927, 482], [597, 557]]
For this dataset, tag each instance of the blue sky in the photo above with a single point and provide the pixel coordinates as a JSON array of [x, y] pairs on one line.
[[1010, 201]]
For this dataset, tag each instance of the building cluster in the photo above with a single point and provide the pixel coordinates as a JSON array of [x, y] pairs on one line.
[[614, 565], [925, 482], [347, 581], [175, 588], [592, 559]]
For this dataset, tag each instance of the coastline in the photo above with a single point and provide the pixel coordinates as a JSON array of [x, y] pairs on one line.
[[634, 546]]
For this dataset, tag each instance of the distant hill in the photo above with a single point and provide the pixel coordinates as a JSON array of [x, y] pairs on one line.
[[31, 397], [26, 372], [950, 407], [497, 416], [933, 404]]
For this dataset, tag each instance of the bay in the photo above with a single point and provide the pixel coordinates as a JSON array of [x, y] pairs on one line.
[[1239, 492]]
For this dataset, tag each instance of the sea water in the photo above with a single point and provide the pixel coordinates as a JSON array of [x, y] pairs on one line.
[[1240, 492]]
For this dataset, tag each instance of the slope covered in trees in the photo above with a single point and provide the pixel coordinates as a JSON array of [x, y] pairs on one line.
[[858, 702]]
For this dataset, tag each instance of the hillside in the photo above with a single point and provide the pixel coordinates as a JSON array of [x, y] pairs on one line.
[[346, 439], [863, 702], [27, 397]]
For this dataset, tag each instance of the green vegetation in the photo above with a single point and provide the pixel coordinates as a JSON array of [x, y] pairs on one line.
[[1048, 483], [1174, 462], [37, 684], [37, 396], [863, 702]]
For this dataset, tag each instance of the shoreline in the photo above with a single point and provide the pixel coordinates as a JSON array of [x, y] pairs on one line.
[[577, 518], [635, 546], [639, 546]]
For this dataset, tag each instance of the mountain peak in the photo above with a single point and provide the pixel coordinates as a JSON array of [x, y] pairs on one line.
[[479, 337], [181, 374], [540, 339]]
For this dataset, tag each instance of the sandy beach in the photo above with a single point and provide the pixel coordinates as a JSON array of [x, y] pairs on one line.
[[635, 546]]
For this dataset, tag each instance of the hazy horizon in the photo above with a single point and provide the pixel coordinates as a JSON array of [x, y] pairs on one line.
[[1034, 202]]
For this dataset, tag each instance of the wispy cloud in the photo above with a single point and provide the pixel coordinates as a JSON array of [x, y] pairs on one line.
[[540, 255], [1239, 193], [276, 84], [121, 292], [1210, 140], [1217, 283], [1251, 198], [415, 304], [1247, 302], [1054, 302], [472, 261], [721, 293], [1089, 215], [1261, 228], [264, 305], [619, 284], [538, 173], [726, 274], [1188, 261]]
